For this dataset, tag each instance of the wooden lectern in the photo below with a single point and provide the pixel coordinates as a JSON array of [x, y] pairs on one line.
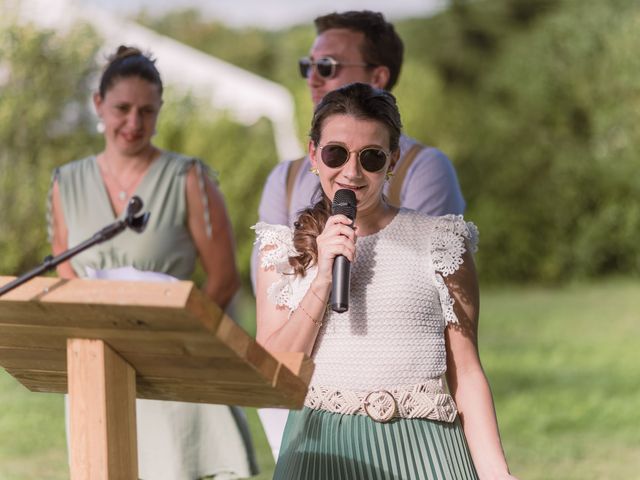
[[106, 342]]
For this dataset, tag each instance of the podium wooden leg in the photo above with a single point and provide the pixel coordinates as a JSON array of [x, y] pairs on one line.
[[102, 401]]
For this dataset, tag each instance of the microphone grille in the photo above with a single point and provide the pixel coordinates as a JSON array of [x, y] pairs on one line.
[[344, 203], [135, 205]]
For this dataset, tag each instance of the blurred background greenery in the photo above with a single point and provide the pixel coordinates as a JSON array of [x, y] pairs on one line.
[[535, 102]]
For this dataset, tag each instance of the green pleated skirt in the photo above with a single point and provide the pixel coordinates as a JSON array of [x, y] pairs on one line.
[[331, 446]]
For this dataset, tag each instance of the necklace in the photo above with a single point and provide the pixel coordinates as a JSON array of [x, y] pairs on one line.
[[123, 193]]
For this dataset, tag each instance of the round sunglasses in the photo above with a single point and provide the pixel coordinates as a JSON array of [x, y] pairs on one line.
[[327, 67], [372, 159]]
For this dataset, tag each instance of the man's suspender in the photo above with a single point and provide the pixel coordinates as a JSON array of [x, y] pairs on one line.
[[292, 173], [395, 185]]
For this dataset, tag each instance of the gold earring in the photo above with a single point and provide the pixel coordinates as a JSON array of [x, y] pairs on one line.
[[314, 170], [388, 175]]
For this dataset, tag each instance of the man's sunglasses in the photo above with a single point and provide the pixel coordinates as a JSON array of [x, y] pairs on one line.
[[326, 67], [372, 159]]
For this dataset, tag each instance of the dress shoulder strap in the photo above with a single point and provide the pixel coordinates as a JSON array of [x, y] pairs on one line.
[[203, 171], [49, 217]]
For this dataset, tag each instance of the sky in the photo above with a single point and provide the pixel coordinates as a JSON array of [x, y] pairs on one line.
[[273, 14]]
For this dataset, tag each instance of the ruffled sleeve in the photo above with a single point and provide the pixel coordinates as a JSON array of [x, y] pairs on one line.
[[450, 238], [280, 240]]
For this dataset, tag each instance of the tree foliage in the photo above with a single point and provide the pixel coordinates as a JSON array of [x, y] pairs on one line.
[[43, 123], [539, 122], [535, 102]]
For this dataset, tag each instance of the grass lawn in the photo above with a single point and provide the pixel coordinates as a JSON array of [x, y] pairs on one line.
[[564, 366], [565, 371]]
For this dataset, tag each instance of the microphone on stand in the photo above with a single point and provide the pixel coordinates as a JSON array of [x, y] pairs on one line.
[[344, 203], [132, 220], [139, 223]]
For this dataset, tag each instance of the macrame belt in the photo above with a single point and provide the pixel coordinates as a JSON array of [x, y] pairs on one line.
[[423, 400]]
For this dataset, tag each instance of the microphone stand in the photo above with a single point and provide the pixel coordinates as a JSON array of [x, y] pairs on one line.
[[136, 223]]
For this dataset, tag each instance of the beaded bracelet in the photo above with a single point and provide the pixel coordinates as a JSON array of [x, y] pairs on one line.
[[317, 323]]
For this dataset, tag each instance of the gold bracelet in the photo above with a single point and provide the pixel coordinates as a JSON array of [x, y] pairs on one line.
[[325, 303], [317, 323]]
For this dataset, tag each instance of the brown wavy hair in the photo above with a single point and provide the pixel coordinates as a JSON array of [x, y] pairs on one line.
[[358, 100]]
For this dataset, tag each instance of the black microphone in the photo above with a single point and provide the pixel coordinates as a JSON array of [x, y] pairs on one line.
[[135, 222], [344, 203]]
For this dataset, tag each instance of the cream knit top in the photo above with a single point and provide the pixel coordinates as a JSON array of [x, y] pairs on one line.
[[393, 333]]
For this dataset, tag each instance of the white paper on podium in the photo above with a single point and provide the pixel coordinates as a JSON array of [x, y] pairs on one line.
[[128, 273]]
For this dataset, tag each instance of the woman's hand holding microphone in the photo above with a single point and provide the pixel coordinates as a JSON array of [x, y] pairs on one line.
[[337, 238]]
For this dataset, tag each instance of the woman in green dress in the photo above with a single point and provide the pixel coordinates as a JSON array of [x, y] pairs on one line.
[[398, 391], [176, 441]]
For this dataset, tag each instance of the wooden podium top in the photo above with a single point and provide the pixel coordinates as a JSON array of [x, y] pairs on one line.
[[182, 346]]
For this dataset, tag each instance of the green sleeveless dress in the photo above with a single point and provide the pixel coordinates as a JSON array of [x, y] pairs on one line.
[[176, 440]]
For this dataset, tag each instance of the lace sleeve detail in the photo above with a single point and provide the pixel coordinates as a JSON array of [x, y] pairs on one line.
[[49, 216], [203, 171], [280, 238], [449, 241]]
